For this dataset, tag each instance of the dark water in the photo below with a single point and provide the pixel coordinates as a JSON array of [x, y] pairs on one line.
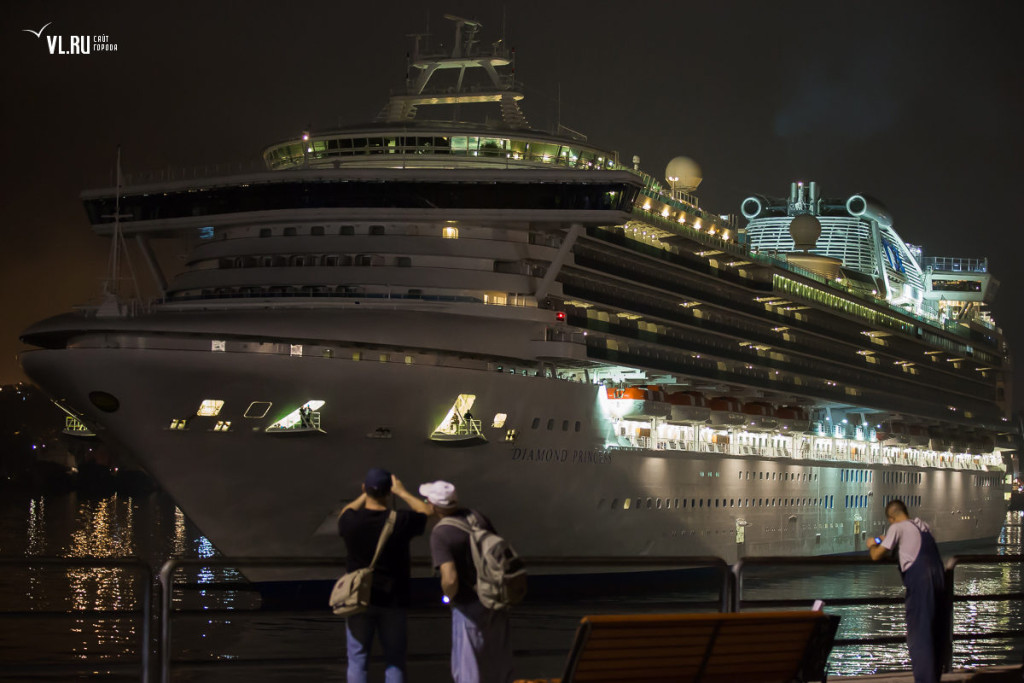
[[224, 638]]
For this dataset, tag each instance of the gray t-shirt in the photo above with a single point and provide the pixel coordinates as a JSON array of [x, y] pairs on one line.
[[905, 536], [451, 544]]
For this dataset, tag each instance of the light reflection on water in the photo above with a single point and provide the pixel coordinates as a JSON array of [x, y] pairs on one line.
[[154, 529]]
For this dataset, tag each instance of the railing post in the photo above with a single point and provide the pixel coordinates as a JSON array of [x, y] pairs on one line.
[[948, 596]]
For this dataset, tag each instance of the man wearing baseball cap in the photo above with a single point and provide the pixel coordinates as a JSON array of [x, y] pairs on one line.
[[481, 642], [360, 524]]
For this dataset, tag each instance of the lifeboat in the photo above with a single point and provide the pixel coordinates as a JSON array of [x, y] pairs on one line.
[[918, 435], [688, 407], [938, 439], [726, 410], [760, 416], [638, 403], [958, 441], [792, 419], [980, 443], [893, 433]]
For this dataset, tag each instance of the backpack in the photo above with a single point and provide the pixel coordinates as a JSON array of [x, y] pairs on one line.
[[500, 572]]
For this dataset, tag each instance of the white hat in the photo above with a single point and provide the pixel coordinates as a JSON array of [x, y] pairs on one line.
[[439, 493]]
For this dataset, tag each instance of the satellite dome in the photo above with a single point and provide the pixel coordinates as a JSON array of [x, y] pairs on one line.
[[683, 173], [805, 230]]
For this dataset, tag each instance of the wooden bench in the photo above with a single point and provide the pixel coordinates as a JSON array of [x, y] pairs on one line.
[[752, 647]]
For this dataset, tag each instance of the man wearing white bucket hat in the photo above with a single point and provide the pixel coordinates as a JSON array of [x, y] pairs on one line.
[[481, 643]]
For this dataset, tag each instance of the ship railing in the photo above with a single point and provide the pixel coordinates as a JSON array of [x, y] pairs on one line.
[[44, 621]]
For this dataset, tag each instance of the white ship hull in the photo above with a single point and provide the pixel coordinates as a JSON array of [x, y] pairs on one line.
[[553, 491]]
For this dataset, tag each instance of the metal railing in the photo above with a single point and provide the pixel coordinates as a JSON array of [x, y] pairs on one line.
[[726, 581], [950, 600], [144, 609]]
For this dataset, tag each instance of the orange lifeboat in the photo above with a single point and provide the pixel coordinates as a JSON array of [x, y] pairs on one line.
[[688, 407], [893, 433], [638, 403], [760, 416], [792, 419], [726, 410]]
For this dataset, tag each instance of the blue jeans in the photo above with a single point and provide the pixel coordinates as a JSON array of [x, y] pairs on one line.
[[481, 645], [389, 623]]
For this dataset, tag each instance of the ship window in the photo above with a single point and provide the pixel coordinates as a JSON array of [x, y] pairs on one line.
[[403, 262], [210, 408], [305, 417], [535, 423], [296, 349], [376, 229], [257, 409], [290, 232], [383, 358], [409, 360], [499, 420], [458, 419], [317, 231], [657, 503], [218, 345], [510, 435], [178, 424], [700, 503], [577, 425], [625, 504], [450, 232], [347, 230], [222, 426], [357, 355], [648, 503], [565, 425], [551, 423], [677, 503], [265, 232]]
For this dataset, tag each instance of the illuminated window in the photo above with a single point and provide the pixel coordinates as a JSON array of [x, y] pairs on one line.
[[625, 504], [383, 358], [222, 426], [296, 349], [450, 232], [304, 418], [499, 420], [409, 360], [210, 408], [218, 345], [459, 421], [510, 435], [357, 355], [178, 424]]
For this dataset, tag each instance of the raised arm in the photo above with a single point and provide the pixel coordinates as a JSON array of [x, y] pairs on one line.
[[355, 504], [876, 550], [412, 501]]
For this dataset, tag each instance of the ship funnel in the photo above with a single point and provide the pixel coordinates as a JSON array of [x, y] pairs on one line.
[[752, 207], [865, 207]]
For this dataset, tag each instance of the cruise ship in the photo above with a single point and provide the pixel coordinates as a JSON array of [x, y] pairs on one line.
[[603, 366]]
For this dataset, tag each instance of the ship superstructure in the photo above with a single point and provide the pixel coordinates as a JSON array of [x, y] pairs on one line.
[[565, 337]]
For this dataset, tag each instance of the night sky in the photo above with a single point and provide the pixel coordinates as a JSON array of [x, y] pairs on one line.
[[920, 104]]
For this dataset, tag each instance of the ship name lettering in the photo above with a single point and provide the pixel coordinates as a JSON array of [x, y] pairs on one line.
[[577, 456]]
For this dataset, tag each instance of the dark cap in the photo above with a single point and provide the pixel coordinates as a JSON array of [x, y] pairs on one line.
[[378, 482]]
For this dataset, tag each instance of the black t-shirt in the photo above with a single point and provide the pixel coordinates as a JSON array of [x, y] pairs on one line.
[[450, 544], [361, 531]]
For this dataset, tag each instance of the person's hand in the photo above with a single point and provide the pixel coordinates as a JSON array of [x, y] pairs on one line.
[[396, 485]]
